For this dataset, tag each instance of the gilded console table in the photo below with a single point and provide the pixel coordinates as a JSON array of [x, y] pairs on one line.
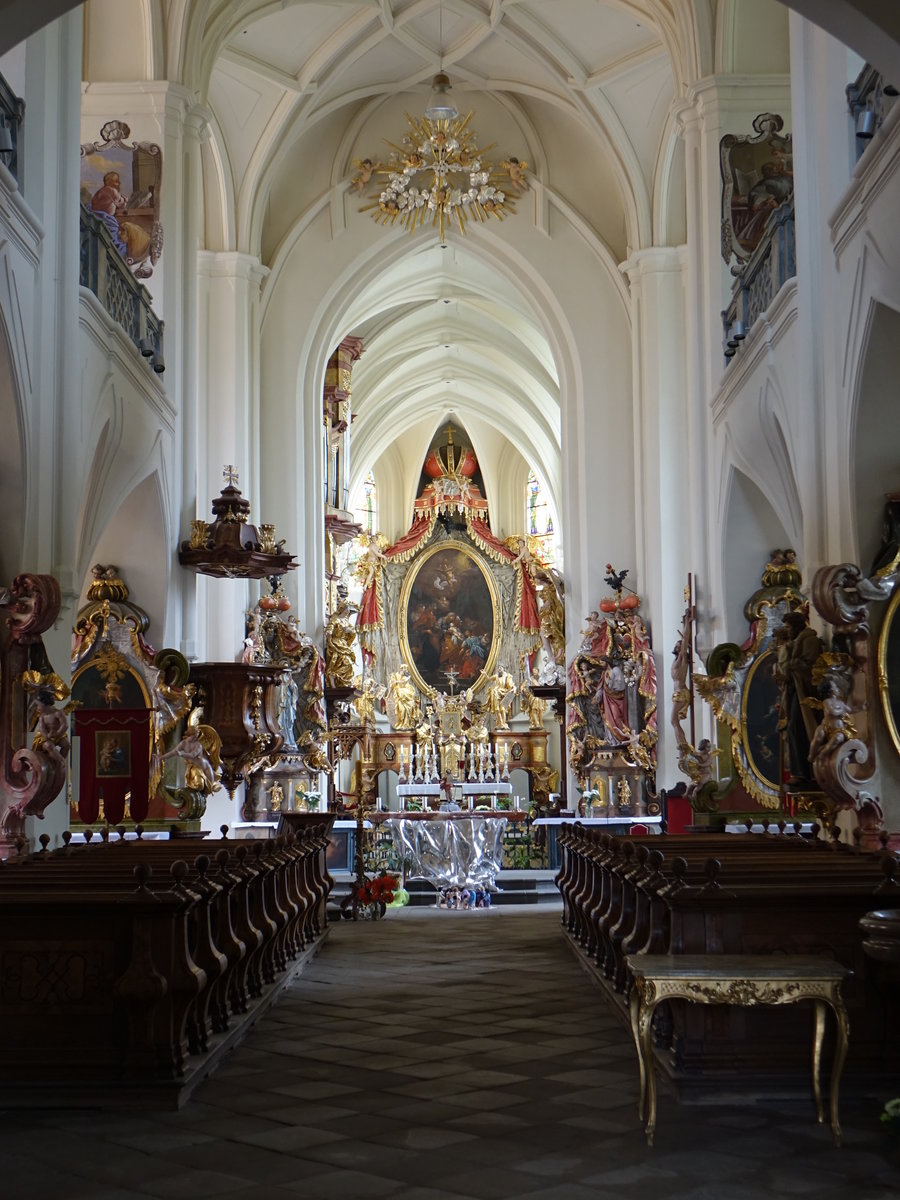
[[741, 979]]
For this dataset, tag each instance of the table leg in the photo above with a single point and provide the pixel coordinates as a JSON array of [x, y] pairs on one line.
[[840, 1054], [645, 1024], [817, 1055], [634, 1005]]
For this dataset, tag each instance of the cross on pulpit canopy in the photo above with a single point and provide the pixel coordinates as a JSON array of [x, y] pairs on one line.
[[230, 475], [450, 432]]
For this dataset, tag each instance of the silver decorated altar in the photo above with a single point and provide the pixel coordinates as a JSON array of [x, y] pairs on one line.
[[450, 849]]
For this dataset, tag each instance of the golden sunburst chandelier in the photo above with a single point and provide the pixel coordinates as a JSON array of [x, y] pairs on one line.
[[438, 171]]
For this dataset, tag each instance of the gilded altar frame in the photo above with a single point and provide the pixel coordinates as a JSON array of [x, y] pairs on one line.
[[411, 593], [889, 668]]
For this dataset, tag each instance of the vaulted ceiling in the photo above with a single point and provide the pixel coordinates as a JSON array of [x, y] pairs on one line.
[[298, 91], [581, 90]]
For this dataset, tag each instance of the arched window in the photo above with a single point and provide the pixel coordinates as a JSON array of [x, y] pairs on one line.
[[366, 510], [539, 520]]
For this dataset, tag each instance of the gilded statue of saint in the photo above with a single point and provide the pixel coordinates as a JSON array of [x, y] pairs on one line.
[[533, 705], [500, 693], [276, 797], [340, 644], [402, 700]]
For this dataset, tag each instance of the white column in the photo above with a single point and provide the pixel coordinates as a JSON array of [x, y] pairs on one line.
[[51, 170], [51, 173], [665, 491], [715, 106], [823, 164], [228, 391]]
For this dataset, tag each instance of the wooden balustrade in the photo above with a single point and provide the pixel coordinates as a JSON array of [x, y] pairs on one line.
[[728, 894], [128, 968]]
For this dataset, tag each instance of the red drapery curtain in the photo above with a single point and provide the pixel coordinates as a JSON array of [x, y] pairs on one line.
[[115, 761]]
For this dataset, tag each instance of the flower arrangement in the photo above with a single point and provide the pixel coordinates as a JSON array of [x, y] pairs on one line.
[[378, 890]]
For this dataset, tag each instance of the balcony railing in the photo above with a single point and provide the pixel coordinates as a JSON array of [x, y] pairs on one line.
[[869, 99], [106, 274], [12, 111], [771, 264]]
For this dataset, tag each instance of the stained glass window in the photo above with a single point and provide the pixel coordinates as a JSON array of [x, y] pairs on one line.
[[539, 520]]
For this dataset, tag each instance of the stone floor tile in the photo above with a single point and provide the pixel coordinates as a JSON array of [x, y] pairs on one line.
[[351, 1185], [188, 1185], [288, 1139], [423, 1058]]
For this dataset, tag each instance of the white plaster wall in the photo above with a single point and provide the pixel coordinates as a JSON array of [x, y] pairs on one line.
[[128, 428]]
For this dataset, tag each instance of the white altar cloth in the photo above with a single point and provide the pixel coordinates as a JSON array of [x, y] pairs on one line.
[[451, 850]]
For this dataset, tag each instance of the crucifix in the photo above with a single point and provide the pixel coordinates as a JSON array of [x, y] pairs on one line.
[[452, 676], [230, 475]]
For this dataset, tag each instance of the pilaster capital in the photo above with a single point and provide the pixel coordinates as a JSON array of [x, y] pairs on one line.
[[654, 260], [168, 103], [231, 264], [724, 98], [197, 121]]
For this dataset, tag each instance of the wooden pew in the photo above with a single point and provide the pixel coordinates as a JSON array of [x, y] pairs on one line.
[[131, 966], [724, 894]]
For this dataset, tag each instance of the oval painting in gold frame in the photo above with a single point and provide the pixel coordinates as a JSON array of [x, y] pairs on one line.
[[889, 668], [450, 623]]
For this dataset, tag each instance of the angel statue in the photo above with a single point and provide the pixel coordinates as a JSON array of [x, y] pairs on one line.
[[698, 763], [50, 724], [402, 700], [500, 694], [200, 747], [836, 726]]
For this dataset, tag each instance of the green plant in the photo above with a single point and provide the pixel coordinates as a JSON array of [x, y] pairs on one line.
[[891, 1116]]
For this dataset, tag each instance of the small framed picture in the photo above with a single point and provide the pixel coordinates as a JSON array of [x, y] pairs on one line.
[[113, 749]]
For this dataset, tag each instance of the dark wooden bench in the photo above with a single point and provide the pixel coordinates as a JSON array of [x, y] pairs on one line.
[[127, 968]]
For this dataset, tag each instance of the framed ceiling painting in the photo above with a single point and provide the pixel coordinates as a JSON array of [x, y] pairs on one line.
[[450, 624]]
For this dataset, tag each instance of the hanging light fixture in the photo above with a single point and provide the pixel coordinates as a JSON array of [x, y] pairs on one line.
[[441, 145], [440, 106]]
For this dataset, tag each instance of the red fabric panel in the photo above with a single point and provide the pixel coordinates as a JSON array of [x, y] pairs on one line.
[[115, 760], [679, 814], [411, 538]]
